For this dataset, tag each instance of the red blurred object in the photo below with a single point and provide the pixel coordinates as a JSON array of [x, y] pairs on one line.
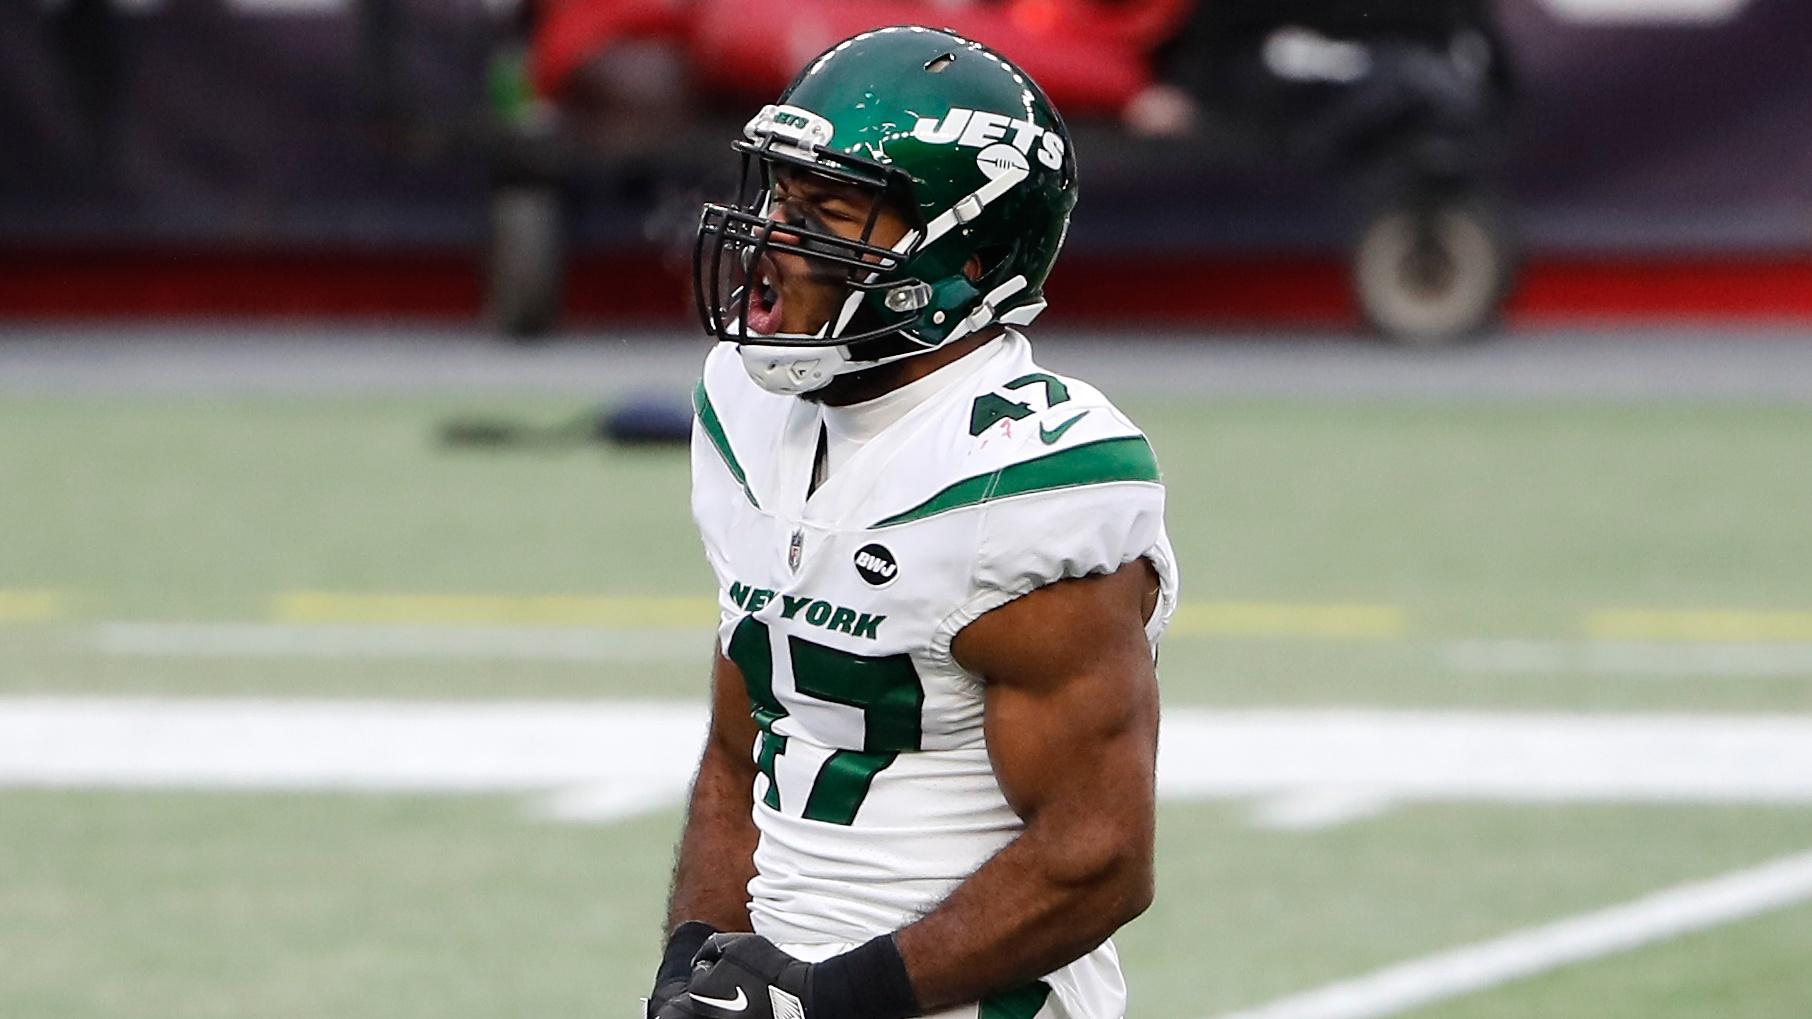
[[569, 32], [1090, 56], [1193, 292]]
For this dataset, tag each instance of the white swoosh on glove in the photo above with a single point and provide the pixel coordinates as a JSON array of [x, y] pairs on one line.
[[736, 1004]]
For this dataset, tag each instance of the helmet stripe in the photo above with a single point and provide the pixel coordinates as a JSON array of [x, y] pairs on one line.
[[987, 193]]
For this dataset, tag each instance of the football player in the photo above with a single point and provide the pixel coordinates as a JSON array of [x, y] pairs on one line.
[[943, 571]]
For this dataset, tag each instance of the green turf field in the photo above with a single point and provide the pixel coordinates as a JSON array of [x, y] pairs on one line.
[[1496, 559]]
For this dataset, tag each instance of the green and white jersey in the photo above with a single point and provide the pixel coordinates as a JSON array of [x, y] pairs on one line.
[[876, 797]]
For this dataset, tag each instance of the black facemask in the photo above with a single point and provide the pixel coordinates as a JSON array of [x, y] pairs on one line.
[[732, 239]]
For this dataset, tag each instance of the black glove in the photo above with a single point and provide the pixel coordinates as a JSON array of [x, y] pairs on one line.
[[744, 976], [676, 964]]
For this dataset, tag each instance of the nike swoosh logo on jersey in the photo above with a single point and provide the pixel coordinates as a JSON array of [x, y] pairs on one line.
[[1051, 435], [736, 1004]]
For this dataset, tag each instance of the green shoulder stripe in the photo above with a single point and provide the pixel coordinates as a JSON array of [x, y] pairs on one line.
[[714, 430], [1093, 463], [1019, 1003]]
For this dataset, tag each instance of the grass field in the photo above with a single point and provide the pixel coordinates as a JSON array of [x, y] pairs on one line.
[[1447, 558]]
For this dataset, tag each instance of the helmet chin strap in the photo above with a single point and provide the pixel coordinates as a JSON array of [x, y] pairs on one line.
[[792, 371]]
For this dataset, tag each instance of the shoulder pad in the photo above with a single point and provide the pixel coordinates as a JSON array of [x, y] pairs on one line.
[[1034, 432]]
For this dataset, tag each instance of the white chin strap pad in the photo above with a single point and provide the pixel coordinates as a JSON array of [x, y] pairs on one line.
[[790, 371]]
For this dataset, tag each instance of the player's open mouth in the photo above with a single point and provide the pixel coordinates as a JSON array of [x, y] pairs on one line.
[[764, 299]]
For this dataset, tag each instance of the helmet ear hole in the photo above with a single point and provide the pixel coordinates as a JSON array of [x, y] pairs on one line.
[[986, 263]]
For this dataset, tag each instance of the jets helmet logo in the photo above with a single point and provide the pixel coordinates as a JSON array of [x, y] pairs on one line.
[[876, 565], [979, 129]]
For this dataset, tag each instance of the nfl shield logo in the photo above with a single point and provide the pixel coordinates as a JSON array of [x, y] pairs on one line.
[[794, 550]]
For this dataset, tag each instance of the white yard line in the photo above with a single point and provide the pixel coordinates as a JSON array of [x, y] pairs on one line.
[[339, 641], [1311, 768], [1409, 756], [1669, 913], [1315, 809], [613, 759]]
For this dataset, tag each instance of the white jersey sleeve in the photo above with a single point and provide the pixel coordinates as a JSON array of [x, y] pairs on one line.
[[1033, 540]]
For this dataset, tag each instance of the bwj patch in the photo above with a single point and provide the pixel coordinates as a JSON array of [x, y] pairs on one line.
[[876, 565]]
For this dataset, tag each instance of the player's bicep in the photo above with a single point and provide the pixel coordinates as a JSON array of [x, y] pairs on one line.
[[1071, 708]]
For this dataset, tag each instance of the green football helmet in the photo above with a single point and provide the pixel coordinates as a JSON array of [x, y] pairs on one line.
[[954, 135]]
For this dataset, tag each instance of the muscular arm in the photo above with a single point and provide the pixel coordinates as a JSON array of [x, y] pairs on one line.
[[1071, 715], [716, 855]]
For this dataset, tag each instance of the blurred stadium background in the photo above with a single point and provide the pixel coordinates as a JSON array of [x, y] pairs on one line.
[[353, 634]]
